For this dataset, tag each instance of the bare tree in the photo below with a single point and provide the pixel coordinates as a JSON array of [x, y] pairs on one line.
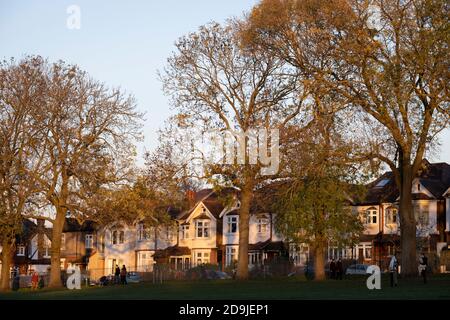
[[387, 59], [218, 84], [87, 134], [19, 138]]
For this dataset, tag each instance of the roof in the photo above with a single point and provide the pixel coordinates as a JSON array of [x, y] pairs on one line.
[[267, 246], [172, 251], [213, 200], [30, 229], [435, 177], [73, 225]]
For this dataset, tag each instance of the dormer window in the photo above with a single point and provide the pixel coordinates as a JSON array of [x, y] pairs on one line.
[[418, 187], [371, 215]]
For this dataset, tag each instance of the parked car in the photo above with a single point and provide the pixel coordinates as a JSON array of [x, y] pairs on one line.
[[133, 277], [357, 269]]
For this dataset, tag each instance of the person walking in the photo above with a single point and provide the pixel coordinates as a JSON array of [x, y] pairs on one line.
[[340, 269], [123, 275], [393, 267], [333, 269], [423, 264], [117, 275]]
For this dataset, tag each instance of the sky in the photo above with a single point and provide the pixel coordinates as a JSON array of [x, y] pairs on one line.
[[122, 43]]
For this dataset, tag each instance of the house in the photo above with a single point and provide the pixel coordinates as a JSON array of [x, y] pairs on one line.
[[208, 233], [133, 245], [33, 247], [379, 212]]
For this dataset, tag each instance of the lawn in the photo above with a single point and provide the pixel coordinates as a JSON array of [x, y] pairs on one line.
[[438, 287]]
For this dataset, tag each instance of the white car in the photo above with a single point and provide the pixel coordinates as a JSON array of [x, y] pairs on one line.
[[357, 269]]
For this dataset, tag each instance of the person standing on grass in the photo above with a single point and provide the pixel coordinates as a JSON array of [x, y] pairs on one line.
[[123, 275], [393, 265], [340, 269], [333, 269], [423, 264], [117, 275], [34, 281]]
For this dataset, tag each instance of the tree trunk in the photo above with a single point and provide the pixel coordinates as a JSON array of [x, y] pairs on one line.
[[319, 261], [7, 251], [58, 225], [407, 223], [244, 217]]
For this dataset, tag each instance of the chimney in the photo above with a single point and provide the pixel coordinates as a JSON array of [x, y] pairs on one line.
[[190, 197]]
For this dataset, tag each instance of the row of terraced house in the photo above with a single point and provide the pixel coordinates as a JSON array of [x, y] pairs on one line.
[[208, 233]]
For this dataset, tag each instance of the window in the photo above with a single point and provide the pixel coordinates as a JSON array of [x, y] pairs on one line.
[[114, 237], [47, 246], [368, 252], [89, 241], [121, 236], [422, 214], [382, 183], [101, 244], [202, 257], [262, 225], [231, 255], [141, 232], [253, 258], [185, 231], [63, 241], [21, 251], [371, 215], [202, 229], [391, 215], [232, 224]]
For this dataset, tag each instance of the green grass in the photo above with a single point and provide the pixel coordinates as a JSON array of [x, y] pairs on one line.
[[438, 287]]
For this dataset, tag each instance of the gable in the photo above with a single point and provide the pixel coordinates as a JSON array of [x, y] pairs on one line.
[[201, 211]]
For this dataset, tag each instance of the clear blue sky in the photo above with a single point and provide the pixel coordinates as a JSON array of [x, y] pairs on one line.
[[122, 43]]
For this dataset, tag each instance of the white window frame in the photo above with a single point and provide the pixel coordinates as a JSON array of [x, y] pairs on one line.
[[202, 257], [232, 221], [231, 254], [391, 215], [371, 213], [422, 214], [202, 225], [185, 231], [262, 225], [89, 241], [21, 251], [47, 248]]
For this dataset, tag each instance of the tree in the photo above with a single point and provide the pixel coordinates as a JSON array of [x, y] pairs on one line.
[[387, 59], [87, 134], [218, 84], [19, 137], [313, 201]]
